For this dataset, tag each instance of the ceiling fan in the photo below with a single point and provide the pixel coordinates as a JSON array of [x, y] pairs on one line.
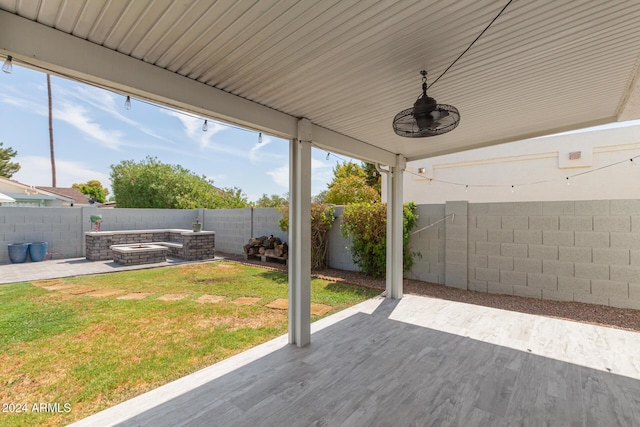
[[426, 117]]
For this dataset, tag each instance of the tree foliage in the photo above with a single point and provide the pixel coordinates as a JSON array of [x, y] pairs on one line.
[[345, 170], [350, 185], [366, 226], [351, 189], [322, 217], [372, 177], [153, 184], [93, 189], [273, 201], [7, 167]]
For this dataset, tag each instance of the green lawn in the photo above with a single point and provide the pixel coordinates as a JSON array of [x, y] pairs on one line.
[[89, 353]]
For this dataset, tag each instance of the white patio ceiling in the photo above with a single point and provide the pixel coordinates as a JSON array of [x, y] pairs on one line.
[[349, 66]]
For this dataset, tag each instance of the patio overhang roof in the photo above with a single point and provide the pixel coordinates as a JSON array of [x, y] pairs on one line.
[[349, 66]]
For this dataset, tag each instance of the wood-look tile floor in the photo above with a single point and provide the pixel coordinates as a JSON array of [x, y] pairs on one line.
[[417, 362]]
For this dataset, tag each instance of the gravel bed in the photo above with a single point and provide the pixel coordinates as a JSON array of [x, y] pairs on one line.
[[620, 318]]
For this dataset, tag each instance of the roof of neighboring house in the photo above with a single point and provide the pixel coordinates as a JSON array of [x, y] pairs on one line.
[[72, 193], [17, 189]]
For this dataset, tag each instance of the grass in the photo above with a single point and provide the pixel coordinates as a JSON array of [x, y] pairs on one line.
[[91, 353]]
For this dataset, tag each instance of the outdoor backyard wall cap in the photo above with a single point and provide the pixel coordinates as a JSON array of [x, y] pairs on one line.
[[172, 230]]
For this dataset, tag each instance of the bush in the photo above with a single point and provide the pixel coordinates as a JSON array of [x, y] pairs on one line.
[[366, 226], [322, 217]]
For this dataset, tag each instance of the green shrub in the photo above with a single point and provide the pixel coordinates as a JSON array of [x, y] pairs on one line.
[[366, 226], [322, 217]]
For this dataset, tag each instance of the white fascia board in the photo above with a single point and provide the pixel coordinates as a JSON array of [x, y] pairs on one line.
[[332, 141], [60, 53], [522, 137]]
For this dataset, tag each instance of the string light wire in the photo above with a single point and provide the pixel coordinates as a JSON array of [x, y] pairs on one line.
[[175, 109]]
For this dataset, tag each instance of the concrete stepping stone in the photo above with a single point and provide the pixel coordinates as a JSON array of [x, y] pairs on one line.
[[283, 304], [320, 309], [59, 287], [47, 283], [135, 295], [173, 297], [246, 301], [279, 304], [79, 290], [103, 293], [210, 299]]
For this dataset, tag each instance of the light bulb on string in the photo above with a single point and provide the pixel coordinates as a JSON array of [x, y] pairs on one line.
[[260, 138], [7, 67], [513, 188], [328, 154], [205, 125], [633, 164], [466, 188], [127, 103], [568, 182]]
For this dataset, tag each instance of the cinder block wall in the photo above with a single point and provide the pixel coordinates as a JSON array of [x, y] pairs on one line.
[[232, 226], [265, 223], [587, 251], [429, 243], [339, 255], [60, 227]]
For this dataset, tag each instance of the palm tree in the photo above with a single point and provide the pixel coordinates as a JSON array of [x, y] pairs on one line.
[[53, 159]]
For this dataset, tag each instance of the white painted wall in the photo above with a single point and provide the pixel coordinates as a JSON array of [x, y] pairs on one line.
[[490, 172]]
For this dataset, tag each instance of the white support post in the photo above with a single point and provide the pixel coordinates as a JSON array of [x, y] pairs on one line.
[[389, 259], [300, 236], [394, 229]]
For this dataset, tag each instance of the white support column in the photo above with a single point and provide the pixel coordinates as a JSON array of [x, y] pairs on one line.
[[394, 229], [300, 236], [389, 260]]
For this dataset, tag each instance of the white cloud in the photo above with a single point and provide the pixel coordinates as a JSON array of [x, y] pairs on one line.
[[192, 127], [321, 173], [36, 171], [70, 112], [280, 176], [109, 103], [78, 117]]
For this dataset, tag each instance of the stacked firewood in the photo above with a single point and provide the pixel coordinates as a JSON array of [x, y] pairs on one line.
[[268, 246]]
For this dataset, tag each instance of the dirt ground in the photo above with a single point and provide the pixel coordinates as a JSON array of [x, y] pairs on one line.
[[620, 318]]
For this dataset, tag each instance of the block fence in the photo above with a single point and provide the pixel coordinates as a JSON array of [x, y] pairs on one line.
[[586, 251]]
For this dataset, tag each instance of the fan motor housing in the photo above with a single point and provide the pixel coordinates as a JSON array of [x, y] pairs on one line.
[[422, 110]]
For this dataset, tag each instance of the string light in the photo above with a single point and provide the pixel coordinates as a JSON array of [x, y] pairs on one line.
[[260, 138], [328, 154], [633, 164], [205, 126], [513, 188], [466, 188], [568, 182], [7, 67], [127, 103]]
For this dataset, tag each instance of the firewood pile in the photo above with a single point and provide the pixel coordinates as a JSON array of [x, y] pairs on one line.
[[271, 247]]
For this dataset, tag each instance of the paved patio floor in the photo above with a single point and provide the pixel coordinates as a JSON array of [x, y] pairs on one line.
[[52, 269], [414, 362]]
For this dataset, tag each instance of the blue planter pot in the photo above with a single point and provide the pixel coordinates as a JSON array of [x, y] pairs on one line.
[[18, 252], [38, 250]]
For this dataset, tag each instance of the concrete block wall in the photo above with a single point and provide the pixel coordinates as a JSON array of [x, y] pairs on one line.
[[586, 251], [60, 227], [339, 255], [232, 226], [429, 265], [265, 223]]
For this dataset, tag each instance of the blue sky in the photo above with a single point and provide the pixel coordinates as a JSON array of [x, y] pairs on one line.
[[92, 131]]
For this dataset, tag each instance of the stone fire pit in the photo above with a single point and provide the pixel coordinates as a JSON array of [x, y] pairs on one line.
[[139, 254]]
